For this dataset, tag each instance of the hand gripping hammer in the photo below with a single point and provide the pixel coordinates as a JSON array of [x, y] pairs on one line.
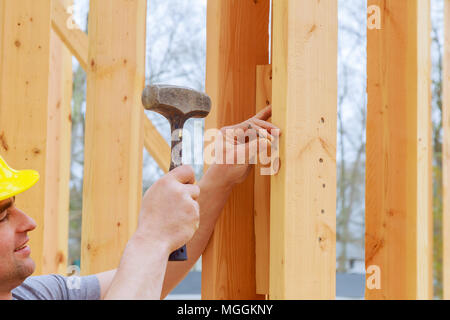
[[177, 104]]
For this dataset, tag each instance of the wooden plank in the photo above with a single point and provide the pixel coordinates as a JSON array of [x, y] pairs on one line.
[[425, 155], [65, 161], [155, 144], [58, 156], [77, 42], [25, 52], [237, 41], [398, 166], [303, 194], [262, 190], [114, 131], [2, 10], [446, 152], [71, 34], [2, 22]]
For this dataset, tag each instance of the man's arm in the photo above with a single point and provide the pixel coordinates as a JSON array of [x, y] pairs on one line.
[[141, 271], [105, 280], [169, 218], [212, 199], [215, 188]]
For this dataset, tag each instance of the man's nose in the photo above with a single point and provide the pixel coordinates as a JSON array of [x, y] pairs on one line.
[[24, 222]]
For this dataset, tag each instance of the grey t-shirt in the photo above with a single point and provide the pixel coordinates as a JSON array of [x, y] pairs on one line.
[[56, 287]]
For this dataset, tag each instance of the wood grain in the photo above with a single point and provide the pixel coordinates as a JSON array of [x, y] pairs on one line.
[[24, 96], [74, 38], [237, 41], [398, 166], [58, 155], [262, 190], [303, 193], [77, 42], [112, 187]]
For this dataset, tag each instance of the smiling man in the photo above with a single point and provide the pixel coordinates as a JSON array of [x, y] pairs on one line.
[[14, 253], [174, 211]]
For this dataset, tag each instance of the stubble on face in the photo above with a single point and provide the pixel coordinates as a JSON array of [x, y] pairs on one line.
[[17, 271]]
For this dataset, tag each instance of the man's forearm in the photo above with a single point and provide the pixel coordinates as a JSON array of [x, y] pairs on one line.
[[213, 196], [141, 271], [131, 281]]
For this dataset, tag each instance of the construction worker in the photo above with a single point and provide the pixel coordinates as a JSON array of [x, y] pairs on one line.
[[174, 211]]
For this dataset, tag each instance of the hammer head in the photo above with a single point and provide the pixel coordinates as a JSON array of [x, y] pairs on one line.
[[175, 102]]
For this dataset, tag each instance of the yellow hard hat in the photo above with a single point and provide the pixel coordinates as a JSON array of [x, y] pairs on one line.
[[13, 182]]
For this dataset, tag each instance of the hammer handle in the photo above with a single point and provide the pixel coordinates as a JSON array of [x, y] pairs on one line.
[[177, 143]]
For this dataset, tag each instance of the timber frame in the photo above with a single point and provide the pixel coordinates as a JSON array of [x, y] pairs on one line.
[[276, 237]]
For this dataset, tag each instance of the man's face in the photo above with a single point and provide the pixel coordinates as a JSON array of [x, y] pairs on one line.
[[15, 261]]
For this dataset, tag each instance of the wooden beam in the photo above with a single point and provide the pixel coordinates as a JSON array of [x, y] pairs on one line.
[[114, 131], [59, 151], [156, 145], [24, 96], [71, 34], [2, 14], [446, 152], [237, 41], [77, 42], [398, 167], [303, 194], [262, 190]]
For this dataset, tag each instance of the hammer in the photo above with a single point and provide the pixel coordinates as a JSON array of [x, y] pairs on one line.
[[177, 104]]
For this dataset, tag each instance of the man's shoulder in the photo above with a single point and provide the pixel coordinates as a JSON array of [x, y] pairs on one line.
[[39, 288], [57, 287]]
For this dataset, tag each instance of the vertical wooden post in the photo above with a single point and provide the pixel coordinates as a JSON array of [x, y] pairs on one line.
[[24, 96], [237, 41], [114, 140], [2, 22], [262, 190], [446, 152], [59, 134], [303, 194], [398, 152]]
